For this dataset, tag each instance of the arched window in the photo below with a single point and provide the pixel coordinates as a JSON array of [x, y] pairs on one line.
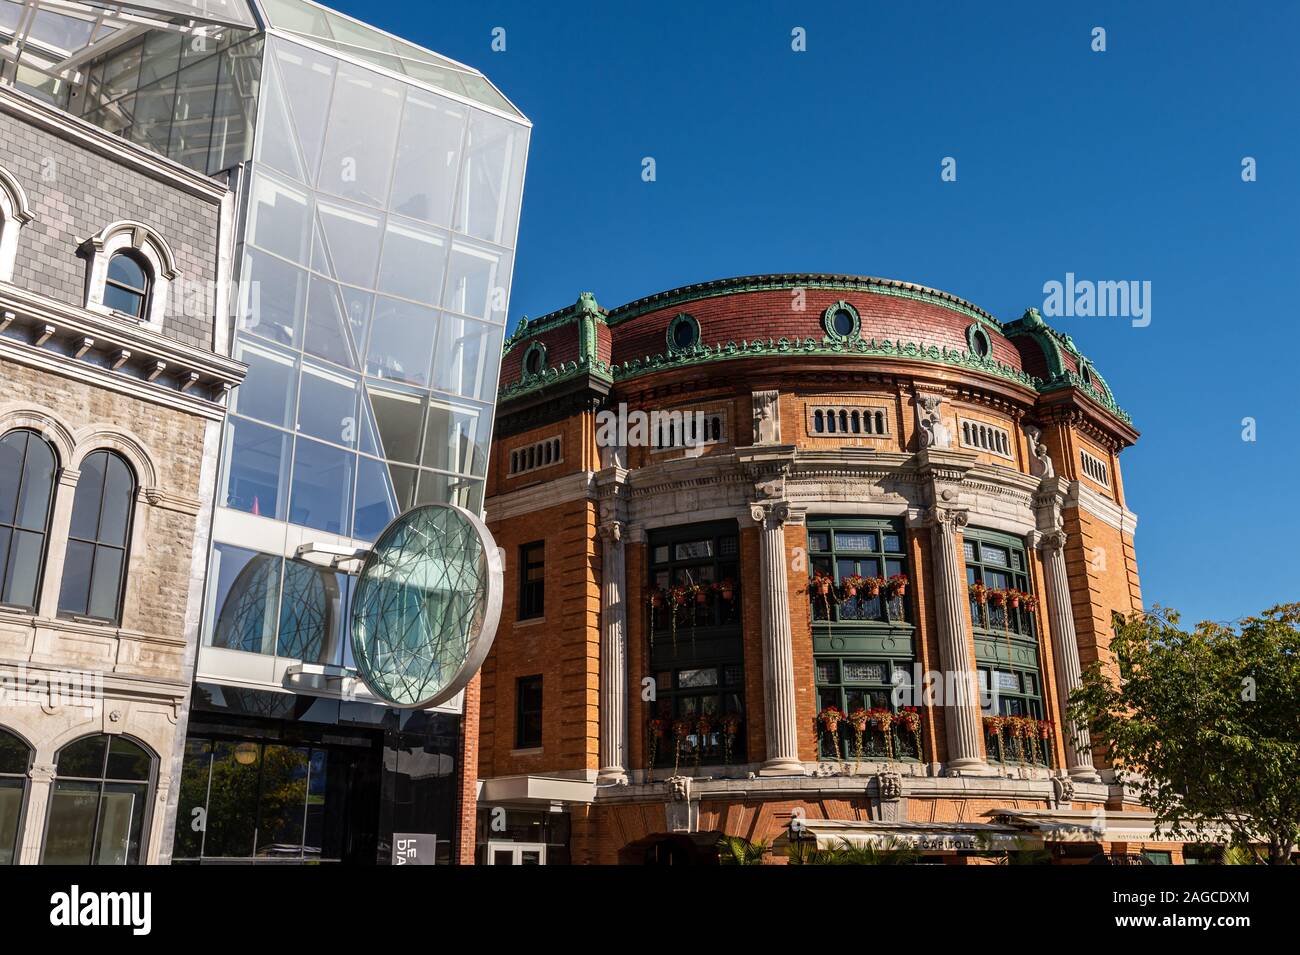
[[27, 466], [94, 570], [15, 761], [126, 288], [99, 802]]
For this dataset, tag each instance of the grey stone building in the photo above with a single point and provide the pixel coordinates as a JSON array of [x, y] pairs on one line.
[[195, 194]]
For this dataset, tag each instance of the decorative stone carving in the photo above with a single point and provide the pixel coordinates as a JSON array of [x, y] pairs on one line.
[[946, 518], [1040, 461], [679, 788], [1063, 789], [890, 785], [933, 432], [767, 417], [681, 813]]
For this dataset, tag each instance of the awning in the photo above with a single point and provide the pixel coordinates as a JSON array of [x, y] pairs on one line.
[[915, 836], [538, 789], [1054, 826]]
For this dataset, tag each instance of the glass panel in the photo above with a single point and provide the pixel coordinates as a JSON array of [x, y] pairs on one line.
[[196, 95], [687, 679], [995, 555], [307, 612], [273, 293], [351, 243], [153, 115], [856, 671], [819, 540], [693, 549], [478, 277], [428, 157], [828, 671], [452, 440], [162, 52], [106, 583], [70, 827], [232, 803], [128, 760], [969, 550], [413, 263], [122, 73], [468, 359], [14, 754], [321, 494], [24, 567], [361, 135], [11, 808], [488, 199], [245, 600], [308, 81], [328, 406], [121, 300], [284, 802], [893, 544], [84, 758], [398, 417], [279, 219], [12, 447], [74, 593], [269, 393], [256, 467], [85, 503], [37, 484], [119, 495], [846, 540], [235, 108], [401, 342], [191, 803], [313, 829], [377, 502], [337, 317]]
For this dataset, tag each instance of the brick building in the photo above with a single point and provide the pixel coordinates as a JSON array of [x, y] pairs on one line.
[[802, 558]]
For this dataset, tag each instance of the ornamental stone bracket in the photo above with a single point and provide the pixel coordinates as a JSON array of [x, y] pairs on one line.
[[931, 432], [767, 417], [682, 811], [889, 790]]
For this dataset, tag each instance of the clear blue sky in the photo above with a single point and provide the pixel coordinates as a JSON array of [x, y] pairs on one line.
[[1117, 165]]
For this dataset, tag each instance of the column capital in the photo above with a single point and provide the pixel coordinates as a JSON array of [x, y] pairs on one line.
[[1045, 541], [771, 514], [611, 531], [944, 517]]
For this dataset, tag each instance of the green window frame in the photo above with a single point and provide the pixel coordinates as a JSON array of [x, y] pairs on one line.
[[696, 649], [999, 561], [869, 548], [870, 683]]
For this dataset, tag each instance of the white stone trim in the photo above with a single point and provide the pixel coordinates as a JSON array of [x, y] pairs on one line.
[[15, 212]]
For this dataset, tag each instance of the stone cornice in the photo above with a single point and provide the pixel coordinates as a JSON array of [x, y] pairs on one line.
[[530, 500], [37, 113], [1103, 508]]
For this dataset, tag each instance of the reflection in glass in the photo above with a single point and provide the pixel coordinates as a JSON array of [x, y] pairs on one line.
[[26, 488], [468, 358], [15, 759], [401, 342], [328, 407], [487, 204], [248, 596], [257, 462], [397, 416], [272, 294], [321, 492], [428, 157], [268, 393], [361, 135], [308, 613], [98, 803], [478, 277]]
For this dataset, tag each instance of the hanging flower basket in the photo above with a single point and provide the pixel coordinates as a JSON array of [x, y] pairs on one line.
[[852, 584], [831, 718], [726, 588], [1029, 603], [730, 727], [896, 585], [873, 585], [821, 584], [998, 598], [1013, 598], [978, 593]]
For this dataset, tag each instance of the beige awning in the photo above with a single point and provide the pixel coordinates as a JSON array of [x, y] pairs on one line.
[[914, 836]]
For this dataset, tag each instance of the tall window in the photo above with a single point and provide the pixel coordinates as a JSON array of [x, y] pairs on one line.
[[862, 637], [27, 466], [532, 580], [99, 802], [696, 649], [15, 760], [126, 288], [1006, 642], [528, 712], [94, 571]]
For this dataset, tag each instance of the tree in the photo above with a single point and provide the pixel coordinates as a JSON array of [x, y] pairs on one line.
[[889, 852], [733, 850], [1205, 724]]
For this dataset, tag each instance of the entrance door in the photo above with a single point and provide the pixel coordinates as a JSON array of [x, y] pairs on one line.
[[516, 853]]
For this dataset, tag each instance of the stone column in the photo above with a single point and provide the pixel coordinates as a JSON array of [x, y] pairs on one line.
[[1065, 653], [782, 729], [962, 717], [40, 779], [613, 656]]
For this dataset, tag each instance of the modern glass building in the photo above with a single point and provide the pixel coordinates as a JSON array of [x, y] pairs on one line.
[[377, 186]]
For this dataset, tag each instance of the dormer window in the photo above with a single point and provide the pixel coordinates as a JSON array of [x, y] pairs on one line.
[[126, 289], [535, 359], [129, 273]]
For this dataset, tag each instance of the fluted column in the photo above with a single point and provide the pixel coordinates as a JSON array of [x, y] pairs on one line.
[[613, 656], [40, 779], [1065, 653], [962, 717], [781, 722]]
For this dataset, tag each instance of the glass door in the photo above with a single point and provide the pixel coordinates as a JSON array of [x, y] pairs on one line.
[[516, 853]]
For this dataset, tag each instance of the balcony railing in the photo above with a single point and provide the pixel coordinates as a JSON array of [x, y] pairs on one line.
[[849, 743], [1018, 741]]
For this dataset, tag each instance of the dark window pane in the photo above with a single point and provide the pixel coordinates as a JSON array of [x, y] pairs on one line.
[[14, 754], [321, 494], [127, 760], [258, 463], [12, 446], [284, 802], [23, 569], [119, 494], [268, 393], [327, 408], [398, 416], [84, 758], [121, 824], [85, 504], [11, 808], [121, 300], [37, 485], [232, 803], [125, 270], [191, 803], [74, 594]]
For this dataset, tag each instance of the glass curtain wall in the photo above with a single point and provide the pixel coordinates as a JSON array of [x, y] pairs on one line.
[[375, 264]]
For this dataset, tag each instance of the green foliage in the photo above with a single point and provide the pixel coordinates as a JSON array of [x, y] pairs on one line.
[[1205, 724], [733, 850], [848, 853]]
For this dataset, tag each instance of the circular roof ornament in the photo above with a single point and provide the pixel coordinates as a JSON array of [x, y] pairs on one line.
[[426, 606]]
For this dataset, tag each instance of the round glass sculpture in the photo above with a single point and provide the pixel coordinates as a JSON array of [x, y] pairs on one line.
[[426, 606]]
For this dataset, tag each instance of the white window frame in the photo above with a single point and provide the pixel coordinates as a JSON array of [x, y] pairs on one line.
[[969, 426], [15, 212], [1091, 465]]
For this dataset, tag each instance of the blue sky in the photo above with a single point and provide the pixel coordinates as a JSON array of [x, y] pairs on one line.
[[1122, 165]]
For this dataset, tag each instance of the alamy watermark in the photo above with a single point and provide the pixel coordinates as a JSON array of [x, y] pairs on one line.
[[1084, 298], [22, 687], [623, 428]]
